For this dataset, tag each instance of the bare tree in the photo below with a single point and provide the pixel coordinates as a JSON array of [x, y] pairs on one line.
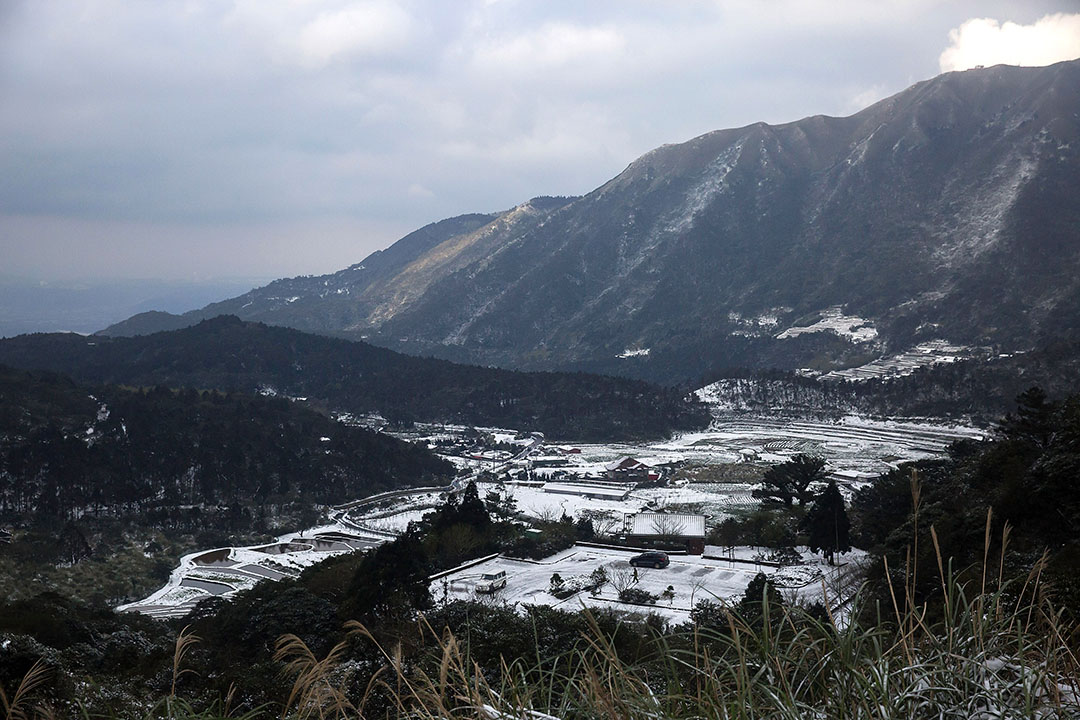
[[623, 579], [668, 527], [605, 522], [548, 514]]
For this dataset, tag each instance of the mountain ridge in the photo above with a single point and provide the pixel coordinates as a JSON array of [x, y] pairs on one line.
[[942, 212], [338, 375]]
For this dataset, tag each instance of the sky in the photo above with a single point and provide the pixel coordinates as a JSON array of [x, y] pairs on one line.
[[195, 139]]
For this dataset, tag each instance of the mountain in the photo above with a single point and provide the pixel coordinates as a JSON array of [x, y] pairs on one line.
[[944, 213], [332, 374]]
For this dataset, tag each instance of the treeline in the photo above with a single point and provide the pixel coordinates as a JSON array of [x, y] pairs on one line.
[[1006, 506], [183, 458], [233, 356], [982, 389]]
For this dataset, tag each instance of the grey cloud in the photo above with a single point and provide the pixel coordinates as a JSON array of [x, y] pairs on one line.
[[279, 120]]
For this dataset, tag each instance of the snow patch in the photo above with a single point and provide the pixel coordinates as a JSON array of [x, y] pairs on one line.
[[855, 328], [634, 352], [713, 184], [925, 354]]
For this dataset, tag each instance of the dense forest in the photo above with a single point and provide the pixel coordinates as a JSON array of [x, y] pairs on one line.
[[183, 458], [233, 356], [982, 597]]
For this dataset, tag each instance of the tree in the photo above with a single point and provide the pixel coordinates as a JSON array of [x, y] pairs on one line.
[[472, 511], [761, 599], [1034, 418], [668, 527], [583, 529], [791, 480], [827, 524], [391, 580]]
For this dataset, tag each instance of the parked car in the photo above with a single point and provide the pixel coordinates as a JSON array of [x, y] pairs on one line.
[[653, 559], [490, 582]]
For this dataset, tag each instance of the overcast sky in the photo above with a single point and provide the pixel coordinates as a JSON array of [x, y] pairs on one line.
[[214, 138]]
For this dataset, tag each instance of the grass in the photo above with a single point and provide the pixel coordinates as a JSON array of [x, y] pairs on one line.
[[992, 653], [1005, 653], [994, 649]]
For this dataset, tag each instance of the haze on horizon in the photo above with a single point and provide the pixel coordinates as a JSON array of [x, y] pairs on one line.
[[213, 138]]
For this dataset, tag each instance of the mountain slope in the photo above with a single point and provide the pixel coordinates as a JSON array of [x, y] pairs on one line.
[[229, 355], [944, 212]]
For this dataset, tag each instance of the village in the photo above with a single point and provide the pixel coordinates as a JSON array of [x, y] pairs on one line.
[[665, 495]]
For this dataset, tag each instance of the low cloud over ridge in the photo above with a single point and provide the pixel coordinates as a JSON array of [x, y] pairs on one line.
[[985, 41]]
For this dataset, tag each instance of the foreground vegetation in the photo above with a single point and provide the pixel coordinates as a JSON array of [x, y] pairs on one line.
[[1004, 653]]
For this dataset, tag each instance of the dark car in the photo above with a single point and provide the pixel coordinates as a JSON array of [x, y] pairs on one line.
[[653, 559]]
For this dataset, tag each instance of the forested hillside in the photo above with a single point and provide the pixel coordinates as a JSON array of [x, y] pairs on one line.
[[233, 356], [183, 459]]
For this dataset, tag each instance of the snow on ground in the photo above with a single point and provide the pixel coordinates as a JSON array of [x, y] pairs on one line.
[[716, 500], [226, 571], [925, 354], [851, 443], [834, 320], [713, 576], [396, 523], [853, 448]]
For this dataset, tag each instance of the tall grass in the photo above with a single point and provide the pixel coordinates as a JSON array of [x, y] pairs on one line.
[[988, 657], [998, 653], [22, 705]]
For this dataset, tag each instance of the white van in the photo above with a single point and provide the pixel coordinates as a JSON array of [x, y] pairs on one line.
[[490, 582]]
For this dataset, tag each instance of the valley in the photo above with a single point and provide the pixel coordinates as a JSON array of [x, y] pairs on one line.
[[711, 472], [781, 420]]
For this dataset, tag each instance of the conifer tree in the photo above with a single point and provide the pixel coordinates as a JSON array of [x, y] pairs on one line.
[[827, 524], [791, 480]]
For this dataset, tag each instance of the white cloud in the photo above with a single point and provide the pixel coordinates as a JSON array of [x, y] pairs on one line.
[[416, 190], [361, 29], [555, 45], [865, 98], [985, 41], [317, 33]]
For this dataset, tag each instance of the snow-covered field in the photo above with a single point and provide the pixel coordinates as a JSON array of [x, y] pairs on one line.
[[226, 571], [851, 443], [853, 448], [925, 354], [692, 578], [715, 500]]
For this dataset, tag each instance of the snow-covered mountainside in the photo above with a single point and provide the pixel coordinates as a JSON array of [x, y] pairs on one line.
[[945, 213]]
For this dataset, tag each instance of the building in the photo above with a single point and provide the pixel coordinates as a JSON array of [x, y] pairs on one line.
[[604, 491], [628, 469], [668, 529]]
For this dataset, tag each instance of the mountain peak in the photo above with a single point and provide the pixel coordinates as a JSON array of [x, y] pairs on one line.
[[945, 212]]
